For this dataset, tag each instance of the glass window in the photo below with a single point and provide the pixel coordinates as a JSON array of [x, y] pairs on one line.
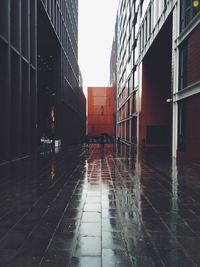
[[183, 66], [188, 11], [141, 8], [128, 109], [136, 78], [146, 30], [131, 83], [136, 52], [182, 126], [150, 21], [129, 87]]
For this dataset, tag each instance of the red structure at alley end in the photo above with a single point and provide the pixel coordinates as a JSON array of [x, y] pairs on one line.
[[100, 112]]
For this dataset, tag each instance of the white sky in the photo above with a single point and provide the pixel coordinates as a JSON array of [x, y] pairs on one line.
[[96, 32]]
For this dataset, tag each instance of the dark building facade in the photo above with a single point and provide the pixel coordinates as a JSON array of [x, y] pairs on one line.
[[41, 94]]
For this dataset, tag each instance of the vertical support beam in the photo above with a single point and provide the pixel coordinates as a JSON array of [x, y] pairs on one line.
[[125, 134], [175, 129], [4, 80], [20, 128], [175, 77], [29, 82], [5, 103], [34, 98], [139, 103], [8, 92]]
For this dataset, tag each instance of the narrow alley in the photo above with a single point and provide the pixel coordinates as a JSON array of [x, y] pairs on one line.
[[107, 206], [99, 133]]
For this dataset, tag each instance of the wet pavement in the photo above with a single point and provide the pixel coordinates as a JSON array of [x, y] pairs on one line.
[[97, 207]]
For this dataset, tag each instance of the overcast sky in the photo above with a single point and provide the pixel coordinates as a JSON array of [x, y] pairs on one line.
[[96, 32]]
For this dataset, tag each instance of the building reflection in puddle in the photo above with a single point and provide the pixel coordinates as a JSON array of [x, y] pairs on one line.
[[125, 205], [174, 186], [172, 246], [52, 171], [128, 172], [121, 197]]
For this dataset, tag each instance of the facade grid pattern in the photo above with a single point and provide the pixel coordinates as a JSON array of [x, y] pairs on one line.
[[140, 25], [32, 34]]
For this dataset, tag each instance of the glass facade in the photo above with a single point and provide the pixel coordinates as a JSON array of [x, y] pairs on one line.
[[189, 10], [39, 73]]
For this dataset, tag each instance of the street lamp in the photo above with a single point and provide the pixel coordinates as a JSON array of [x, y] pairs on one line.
[[195, 3]]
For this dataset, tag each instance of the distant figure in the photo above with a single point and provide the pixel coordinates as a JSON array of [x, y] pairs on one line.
[[101, 141], [87, 141], [118, 140], [102, 152]]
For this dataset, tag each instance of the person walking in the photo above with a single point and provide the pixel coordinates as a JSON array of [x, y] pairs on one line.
[[101, 141], [87, 141]]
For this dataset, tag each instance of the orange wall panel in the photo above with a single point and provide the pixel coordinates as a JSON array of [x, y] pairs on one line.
[[100, 111]]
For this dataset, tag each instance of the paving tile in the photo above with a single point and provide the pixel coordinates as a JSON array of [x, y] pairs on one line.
[[100, 209], [93, 193], [25, 260], [6, 256], [62, 241], [115, 258], [111, 225], [13, 241], [91, 216], [155, 225], [90, 229], [35, 246], [112, 240], [175, 257], [149, 261], [88, 246], [56, 258], [194, 226], [180, 229], [86, 261], [67, 226], [92, 207], [76, 204], [73, 213], [190, 244], [92, 200], [109, 213]]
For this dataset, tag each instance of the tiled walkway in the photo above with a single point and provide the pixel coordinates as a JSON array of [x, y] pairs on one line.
[[99, 207]]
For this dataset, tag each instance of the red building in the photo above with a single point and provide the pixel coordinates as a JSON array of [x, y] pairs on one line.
[[100, 111]]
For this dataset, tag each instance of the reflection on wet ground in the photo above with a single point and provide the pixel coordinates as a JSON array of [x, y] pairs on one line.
[[102, 206]]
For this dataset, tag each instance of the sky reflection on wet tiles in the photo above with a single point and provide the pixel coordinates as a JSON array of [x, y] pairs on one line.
[[106, 207]]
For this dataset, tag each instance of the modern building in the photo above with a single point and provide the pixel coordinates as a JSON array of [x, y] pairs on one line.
[[113, 73], [100, 111], [158, 92], [39, 75]]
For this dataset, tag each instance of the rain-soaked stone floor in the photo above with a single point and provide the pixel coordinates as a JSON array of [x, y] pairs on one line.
[[93, 207]]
